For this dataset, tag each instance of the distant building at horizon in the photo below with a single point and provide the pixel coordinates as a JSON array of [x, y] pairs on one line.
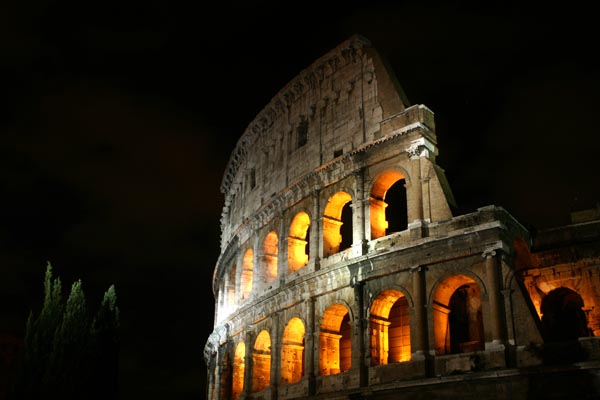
[[344, 274]]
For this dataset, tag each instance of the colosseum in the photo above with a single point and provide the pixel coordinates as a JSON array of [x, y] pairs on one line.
[[344, 273]]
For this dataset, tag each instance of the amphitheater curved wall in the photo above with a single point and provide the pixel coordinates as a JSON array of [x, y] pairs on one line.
[[342, 266]]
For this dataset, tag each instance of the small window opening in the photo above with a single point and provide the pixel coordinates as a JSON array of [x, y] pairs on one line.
[[302, 132], [252, 178]]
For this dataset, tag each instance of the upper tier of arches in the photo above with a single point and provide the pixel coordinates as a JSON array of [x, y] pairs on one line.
[[344, 101]]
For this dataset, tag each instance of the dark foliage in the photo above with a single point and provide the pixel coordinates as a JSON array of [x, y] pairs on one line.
[[70, 353]]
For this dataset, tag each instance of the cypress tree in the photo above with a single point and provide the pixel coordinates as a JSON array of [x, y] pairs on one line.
[[67, 354], [69, 359], [39, 338]]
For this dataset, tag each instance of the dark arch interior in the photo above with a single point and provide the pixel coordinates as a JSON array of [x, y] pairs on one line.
[[346, 229], [396, 212], [466, 328], [563, 317]]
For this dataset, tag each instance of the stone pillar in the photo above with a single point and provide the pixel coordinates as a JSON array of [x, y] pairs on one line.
[[315, 252], [275, 355], [377, 220], [249, 339], [282, 249], [331, 236], [359, 358], [310, 347], [379, 341], [359, 241], [492, 271], [414, 191], [214, 369], [420, 343], [329, 361]]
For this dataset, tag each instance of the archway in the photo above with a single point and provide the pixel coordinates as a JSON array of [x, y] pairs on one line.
[[563, 317], [261, 362], [231, 286], [390, 328], [224, 379], [239, 368], [269, 258], [298, 242], [384, 220], [332, 223], [457, 316], [335, 342], [247, 277], [292, 351]]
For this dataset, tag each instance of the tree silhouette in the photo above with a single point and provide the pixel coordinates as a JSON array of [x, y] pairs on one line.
[[68, 354]]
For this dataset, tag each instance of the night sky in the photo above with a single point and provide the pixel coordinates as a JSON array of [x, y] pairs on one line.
[[117, 119]]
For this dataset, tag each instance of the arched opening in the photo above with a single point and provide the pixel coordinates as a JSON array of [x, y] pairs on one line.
[[225, 378], [247, 274], [390, 328], [388, 204], [563, 317], [298, 242], [231, 286], [239, 368], [335, 347], [457, 317], [222, 297], [269, 258], [261, 362], [292, 351], [333, 222]]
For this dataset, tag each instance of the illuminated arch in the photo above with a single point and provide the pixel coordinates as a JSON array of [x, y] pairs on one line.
[[335, 341], [332, 223], [261, 362], [390, 328], [292, 351], [380, 216], [298, 242], [457, 316], [247, 277], [239, 368], [269, 258], [231, 286]]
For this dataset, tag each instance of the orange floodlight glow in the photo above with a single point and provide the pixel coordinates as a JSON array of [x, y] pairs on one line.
[[261, 362], [239, 367], [332, 222], [292, 351], [379, 224], [297, 253]]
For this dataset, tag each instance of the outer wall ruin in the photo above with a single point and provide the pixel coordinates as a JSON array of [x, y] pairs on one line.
[[344, 274]]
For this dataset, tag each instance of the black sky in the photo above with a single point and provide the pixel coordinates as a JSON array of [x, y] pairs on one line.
[[117, 119]]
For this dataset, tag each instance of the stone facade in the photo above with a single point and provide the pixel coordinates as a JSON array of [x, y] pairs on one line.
[[344, 274]]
